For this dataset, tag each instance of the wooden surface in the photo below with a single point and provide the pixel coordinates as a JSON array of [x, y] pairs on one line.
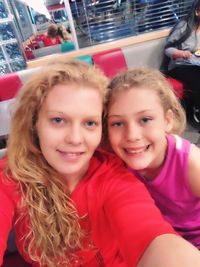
[[101, 47]]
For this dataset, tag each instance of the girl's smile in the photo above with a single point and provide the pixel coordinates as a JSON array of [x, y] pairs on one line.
[[136, 151], [137, 127]]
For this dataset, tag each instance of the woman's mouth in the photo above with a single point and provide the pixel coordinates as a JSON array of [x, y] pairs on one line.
[[71, 155]]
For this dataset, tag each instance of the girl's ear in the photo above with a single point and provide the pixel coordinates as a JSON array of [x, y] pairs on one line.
[[169, 120]]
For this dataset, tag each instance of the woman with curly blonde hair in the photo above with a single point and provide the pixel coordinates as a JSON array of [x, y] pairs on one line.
[[70, 203]]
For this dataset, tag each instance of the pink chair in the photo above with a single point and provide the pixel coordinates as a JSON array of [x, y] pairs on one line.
[[9, 86], [177, 86], [110, 62]]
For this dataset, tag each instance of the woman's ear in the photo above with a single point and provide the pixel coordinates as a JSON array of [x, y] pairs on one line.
[[169, 120]]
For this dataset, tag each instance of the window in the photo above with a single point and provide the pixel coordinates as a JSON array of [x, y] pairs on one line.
[[107, 20]]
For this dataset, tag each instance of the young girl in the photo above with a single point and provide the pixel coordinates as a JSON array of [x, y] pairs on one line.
[[144, 121], [51, 37], [69, 204]]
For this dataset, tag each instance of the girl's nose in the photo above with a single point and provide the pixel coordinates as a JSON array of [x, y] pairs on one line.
[[133, 133]]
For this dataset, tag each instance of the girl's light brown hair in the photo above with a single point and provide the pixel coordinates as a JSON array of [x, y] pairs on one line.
[[153, 80], [54, 233], [52, 30]]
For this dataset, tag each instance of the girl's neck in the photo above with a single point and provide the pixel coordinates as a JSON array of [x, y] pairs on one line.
[[150, 174]]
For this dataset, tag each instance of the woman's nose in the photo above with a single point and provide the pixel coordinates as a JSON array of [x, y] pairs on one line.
[[74, 135]]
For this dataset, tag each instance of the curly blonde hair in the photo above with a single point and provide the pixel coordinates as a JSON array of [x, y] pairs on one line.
[[153, 80], [54, 232]]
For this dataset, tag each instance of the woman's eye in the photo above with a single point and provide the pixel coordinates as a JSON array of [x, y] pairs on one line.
[[91, 124], [145, 120], [57, 120]]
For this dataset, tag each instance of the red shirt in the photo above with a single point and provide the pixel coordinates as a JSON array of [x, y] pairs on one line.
[[119, 215], [50, 41]]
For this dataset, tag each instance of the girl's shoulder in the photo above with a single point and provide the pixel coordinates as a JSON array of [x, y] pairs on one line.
[[180, 144], [194, 169]]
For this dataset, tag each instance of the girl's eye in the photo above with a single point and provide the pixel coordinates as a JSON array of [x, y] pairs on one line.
[[116, 124], [145, 120]]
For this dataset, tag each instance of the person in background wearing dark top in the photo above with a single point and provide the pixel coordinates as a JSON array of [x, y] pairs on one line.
[[70, 203], [183, 49], [51, 37]]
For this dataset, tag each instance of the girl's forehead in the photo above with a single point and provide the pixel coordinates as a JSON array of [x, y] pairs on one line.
[[131, 90], [141, 94]]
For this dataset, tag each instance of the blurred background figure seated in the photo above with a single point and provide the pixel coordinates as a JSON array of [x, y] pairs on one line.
[[64, 34], [51, 37]]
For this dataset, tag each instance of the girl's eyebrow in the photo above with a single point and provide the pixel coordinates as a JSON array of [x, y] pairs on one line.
[[121, 115], [114, 115]]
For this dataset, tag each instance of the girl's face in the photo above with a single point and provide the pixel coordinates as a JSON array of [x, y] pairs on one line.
[[69, 128], [137, 126]]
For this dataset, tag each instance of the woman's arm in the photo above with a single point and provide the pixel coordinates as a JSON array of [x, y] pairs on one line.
[[171, 50], [170, 251], [176, 32], [176, 53], [6, 217], [145, 239]]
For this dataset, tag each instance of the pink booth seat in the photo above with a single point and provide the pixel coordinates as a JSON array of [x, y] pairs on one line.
[[110, 62], [12, 82], [9, 86], [177, 86]]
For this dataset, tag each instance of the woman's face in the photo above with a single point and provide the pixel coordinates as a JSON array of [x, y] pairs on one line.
[[69, 128]]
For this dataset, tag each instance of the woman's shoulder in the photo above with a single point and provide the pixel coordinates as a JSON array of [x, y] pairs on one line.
[[108, 158], [8, 185], [110, 168], [180, 26], [3, 164], [109, 175]]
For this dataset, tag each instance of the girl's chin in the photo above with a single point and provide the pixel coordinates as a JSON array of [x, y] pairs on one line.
[[137, 166]]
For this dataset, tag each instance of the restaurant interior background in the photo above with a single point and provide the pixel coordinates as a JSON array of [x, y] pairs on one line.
[[91, 22]]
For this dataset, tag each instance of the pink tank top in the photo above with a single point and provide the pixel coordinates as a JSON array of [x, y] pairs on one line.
[[172, 194]]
